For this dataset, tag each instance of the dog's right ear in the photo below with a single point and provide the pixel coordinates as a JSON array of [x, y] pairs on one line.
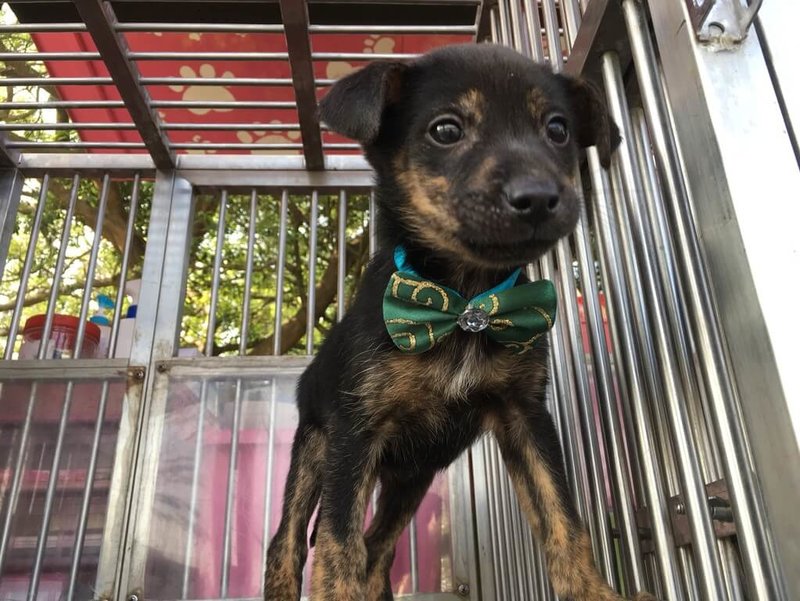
[[354, 105]]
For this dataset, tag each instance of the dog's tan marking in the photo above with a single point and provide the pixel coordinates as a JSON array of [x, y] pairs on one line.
[[538, 104], [473, 105], [285, 559], [566, 545], [483, 173], [339, 572]]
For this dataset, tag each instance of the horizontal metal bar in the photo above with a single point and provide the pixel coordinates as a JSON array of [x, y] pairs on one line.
[[63, 126], [63, 369], [223, 146], [62, 104], [42, 27], [200, 27], [360, 56], [244, 104], [165, 126], [232, 126], [13, 57], [210, 56], [76, 145], [249, 366], [39, 162], [213, 81], [56, 81], [395, 29]]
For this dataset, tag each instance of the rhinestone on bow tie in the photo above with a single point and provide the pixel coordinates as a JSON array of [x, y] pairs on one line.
[[473, 320]]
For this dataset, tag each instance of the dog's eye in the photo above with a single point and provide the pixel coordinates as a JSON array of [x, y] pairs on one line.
[[446, 131], [557, 130]]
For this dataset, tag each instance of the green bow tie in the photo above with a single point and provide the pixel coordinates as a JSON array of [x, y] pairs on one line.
[[418, 313]]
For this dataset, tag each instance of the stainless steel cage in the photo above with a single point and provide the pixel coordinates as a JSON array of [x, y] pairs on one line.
[[156, 474]]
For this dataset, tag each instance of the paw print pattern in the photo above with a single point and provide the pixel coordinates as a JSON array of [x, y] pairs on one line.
[[270, 137], [379, 45], [198, 139], [204, 93], [376, 44]]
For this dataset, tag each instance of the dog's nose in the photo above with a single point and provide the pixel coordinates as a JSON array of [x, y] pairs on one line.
[[528, 195]]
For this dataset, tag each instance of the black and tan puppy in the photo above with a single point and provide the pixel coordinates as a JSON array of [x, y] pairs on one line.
[[473, 148]]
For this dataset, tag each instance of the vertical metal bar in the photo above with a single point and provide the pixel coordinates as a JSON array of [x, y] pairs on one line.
[[230, 495], [276, 337], [11, 181], [215, 276], [342, 255], [80, 535], [123, 271], [693, 487], [373, 223], [500, 566], [311, 307], [656, 498], [506, 38], [13, 493], [412, 551], [576, 393], [268, 481], [13, 327], [534, 29], [59, 269], [571, 14], [198, 458], [172, 284], [626, 518], [516, 26], [554, 51], [41, 542], [507, 535], [248, 273], [749, 511], [87, 289], [91, 470], [687, 349]]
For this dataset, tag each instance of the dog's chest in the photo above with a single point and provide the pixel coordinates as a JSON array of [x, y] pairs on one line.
[[453, 372]]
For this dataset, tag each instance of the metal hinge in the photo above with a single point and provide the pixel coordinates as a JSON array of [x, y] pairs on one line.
[[722, 23]]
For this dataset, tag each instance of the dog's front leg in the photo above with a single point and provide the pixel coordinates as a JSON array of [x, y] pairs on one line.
[[530, 448], [340, 562]]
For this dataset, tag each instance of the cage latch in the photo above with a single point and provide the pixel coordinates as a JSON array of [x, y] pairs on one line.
[[722, 24]]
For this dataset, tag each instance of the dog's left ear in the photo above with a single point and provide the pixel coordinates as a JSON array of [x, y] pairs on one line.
[[594, 125], [354, 105]]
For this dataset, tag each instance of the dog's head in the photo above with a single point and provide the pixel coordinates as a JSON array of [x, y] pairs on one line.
[[480, 145]]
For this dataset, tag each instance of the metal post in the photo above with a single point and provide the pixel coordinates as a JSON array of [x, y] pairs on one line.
[[276, 337], [16, 315], [342, 256], [373, 223], [311, 308], [248, 274], [231, 491], [11, 181]]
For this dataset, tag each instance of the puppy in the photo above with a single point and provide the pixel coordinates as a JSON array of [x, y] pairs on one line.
[[473, 148]]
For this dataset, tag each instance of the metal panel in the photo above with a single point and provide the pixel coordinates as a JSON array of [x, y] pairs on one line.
[[748, 249]]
